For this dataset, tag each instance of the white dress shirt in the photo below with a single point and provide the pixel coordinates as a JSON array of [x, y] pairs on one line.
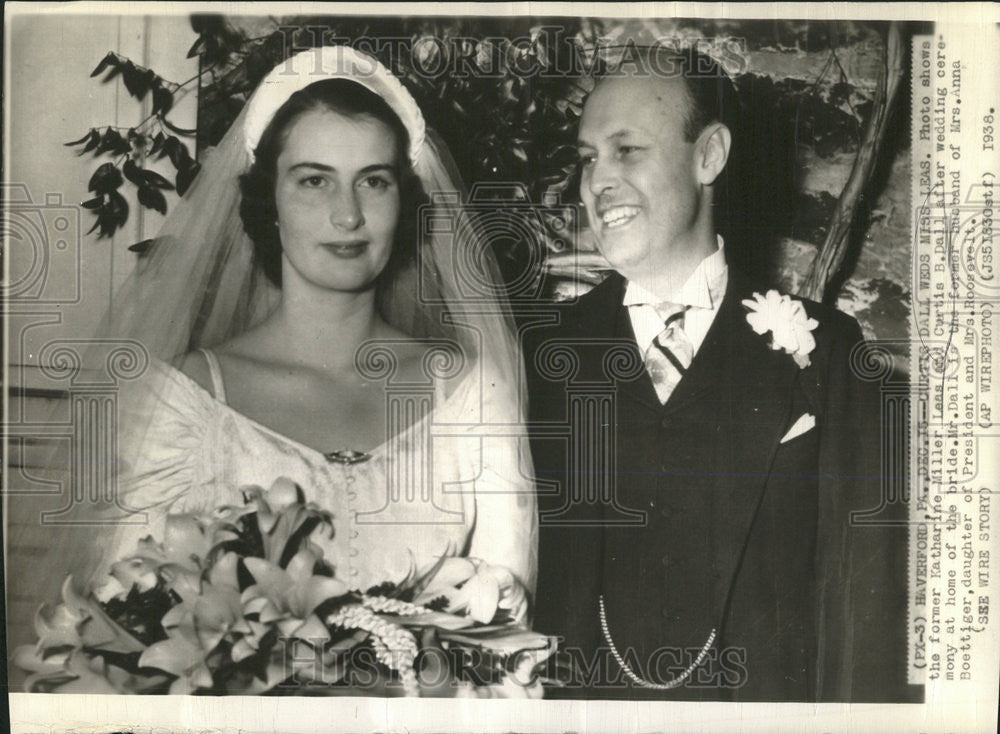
[[703, 292]]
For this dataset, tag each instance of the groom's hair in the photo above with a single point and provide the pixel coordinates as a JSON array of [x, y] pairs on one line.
[[258, 208], [711, 97], [711, 94]]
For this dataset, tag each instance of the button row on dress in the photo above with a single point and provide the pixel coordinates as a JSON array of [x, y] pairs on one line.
[[352, 552]]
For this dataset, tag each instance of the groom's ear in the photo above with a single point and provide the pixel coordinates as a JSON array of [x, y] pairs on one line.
[[711, 152]]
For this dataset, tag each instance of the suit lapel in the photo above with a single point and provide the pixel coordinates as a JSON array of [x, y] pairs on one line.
[[640, 390], [740, 364], [751, 388], [725, 338], [602, 323]]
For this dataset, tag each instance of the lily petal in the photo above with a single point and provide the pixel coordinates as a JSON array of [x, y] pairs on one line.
[[300, 568], [185, 582], [174, 655], [453, 572], [282, 493], [184, 540], [312, 630], [111, 589], [242, 649], [322, 588], [224, 572], [135, 571], [483, 597], [29, 657], [57, 626], [272, 580]]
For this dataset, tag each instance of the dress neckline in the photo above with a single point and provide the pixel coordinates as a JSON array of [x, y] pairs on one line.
[[305, 448]]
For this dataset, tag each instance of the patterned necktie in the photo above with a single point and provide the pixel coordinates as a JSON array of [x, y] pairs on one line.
[[670, 354]]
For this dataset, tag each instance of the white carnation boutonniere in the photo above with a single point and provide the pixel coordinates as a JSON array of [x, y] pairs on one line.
[[786, 319]]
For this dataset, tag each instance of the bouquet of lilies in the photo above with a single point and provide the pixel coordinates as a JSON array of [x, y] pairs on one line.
[[242, 602]]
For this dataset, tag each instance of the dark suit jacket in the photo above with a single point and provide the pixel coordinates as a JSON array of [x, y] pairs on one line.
[[714, 523]]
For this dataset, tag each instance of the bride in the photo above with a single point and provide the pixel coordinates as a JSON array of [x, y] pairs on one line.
[[336, 323]]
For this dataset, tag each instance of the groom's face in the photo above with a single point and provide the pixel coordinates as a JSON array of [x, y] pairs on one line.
[[638, 182]]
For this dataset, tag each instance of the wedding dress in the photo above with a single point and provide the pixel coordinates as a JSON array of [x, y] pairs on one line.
[[438, 487]]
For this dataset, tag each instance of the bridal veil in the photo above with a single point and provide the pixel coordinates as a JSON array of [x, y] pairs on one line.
[[198, 285]]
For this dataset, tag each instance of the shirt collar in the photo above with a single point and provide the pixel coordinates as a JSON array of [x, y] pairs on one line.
[[703, 288]]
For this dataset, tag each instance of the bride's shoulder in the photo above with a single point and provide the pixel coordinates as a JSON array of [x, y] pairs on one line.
[[194, 366], [173, 381], [166, 407], [204, 367]]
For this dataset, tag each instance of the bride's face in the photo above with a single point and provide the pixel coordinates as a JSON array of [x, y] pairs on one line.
[[337, 196]]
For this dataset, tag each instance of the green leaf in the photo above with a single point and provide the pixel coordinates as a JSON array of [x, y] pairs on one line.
[[198, 47], [89, 135], [504, 638], [152, 199], [157, 146], [109, 140], [186, 176], [202, 23], [106, 179], [110, 59], [141, 247], [163, 100], [177, 152], [95, 139], [132, 79], [118, 207], [121, 146], [437, 620], [131, 171], [152, 178]]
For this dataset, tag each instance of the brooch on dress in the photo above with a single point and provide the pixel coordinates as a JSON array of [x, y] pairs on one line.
[[347, 457]]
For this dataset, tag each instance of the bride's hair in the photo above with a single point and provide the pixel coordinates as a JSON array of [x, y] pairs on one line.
[[258, 208]]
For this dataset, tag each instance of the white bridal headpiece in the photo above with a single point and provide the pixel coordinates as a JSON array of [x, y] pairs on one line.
[[331, 62]]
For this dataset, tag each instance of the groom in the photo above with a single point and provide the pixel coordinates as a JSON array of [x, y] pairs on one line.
[[697, 540]]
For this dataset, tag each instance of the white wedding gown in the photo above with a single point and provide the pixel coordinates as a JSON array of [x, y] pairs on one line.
[[450, 483]]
